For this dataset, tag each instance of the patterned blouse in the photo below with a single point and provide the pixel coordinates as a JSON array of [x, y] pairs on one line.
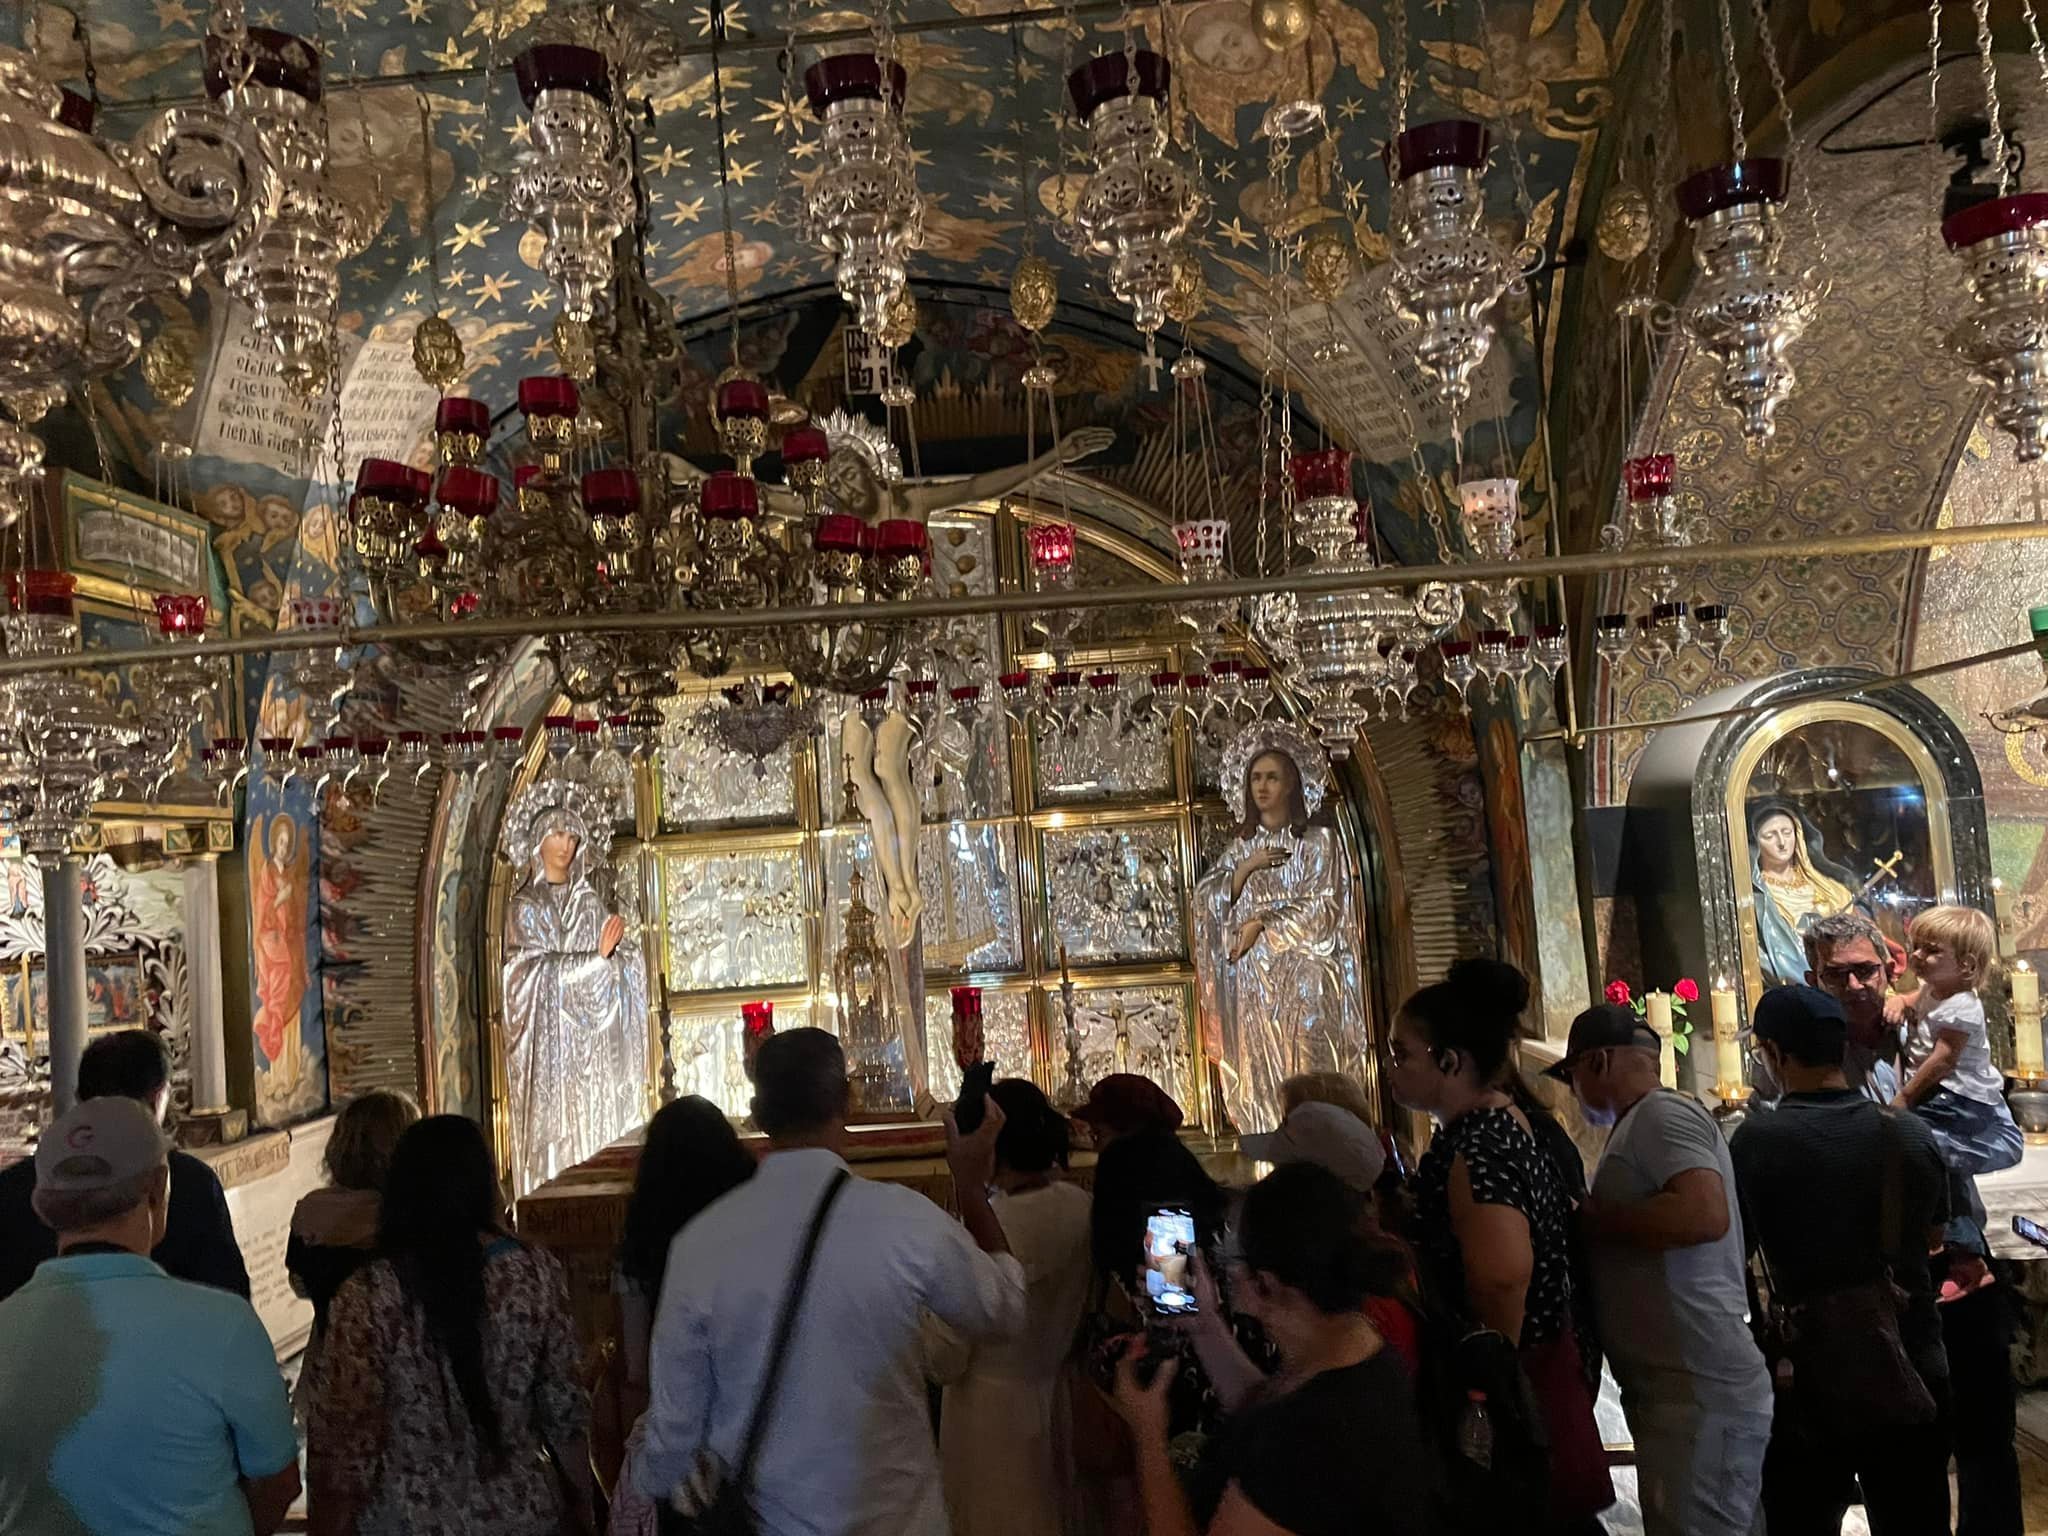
[[388, 1433], [1506, 1168]]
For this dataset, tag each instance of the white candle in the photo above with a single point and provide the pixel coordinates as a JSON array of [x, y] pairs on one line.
[[2026, 1020], [1657, 1014], [1728, 1085]]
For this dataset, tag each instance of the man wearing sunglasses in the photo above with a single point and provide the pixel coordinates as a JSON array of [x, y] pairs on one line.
[[1848, 958]]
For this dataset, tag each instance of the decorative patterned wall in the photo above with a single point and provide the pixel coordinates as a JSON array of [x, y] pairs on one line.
[[1864, 444], [1971, 599]]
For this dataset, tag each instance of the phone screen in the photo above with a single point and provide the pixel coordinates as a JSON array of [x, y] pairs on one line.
[[2032, 1231], [1169, 1257]]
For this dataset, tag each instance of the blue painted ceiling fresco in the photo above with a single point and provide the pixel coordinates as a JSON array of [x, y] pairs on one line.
[[985, 115]]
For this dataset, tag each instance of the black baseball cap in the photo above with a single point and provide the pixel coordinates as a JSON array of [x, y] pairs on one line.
[[1803, 1020], [1603, 1027]]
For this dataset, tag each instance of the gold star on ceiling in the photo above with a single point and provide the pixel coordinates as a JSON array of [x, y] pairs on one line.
[[416, 11], [994, 202], [999, 154], [410, 298], [417, 264], [469, 135], [173, 13], [1349, 108], [467, 235], [477, 185], [1237, 234], [740, 172], [783, 114], [685, 213], [1223, 170], [667, 159], [538, 299], [539, 349], [991, 276], [494, 289], [803, 149], [452, 57], [456, 278], [701, 14]]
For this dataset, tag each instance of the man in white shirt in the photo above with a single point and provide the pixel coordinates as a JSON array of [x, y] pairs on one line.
[[848, 1449], [1669, 1285]]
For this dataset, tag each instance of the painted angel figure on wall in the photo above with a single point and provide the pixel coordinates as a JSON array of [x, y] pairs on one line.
[[1276, 936], [575, 994]]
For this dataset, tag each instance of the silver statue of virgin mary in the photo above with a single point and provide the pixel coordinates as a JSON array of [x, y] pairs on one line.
[[1276, 934], [575, 993]]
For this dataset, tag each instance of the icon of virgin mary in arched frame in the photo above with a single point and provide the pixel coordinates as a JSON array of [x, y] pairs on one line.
[[1832, 805]]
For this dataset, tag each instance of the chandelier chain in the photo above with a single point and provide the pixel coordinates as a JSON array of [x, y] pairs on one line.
[[1397, 17], [1510, 123], [1987, 66], [1930, 247], [1795, 141], [2034, 43], [1738, 139], [732, 277]]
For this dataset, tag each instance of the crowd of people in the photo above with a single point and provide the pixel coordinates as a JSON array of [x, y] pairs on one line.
[[1799, 1318]]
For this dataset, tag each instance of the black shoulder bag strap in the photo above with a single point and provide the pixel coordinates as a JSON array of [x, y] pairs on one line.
[[785, 1325]]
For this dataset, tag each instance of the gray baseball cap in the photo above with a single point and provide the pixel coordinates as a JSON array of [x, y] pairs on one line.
[[1327, 1135], [98, 1144]]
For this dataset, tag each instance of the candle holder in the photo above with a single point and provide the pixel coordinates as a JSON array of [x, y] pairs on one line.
[[1074, 1086]]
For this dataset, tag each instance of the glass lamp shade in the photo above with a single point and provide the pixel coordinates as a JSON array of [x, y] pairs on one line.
[[970, 1044], [757, 1023]]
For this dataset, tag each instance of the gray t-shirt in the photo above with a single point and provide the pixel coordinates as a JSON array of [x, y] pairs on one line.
[[1673, 1321]]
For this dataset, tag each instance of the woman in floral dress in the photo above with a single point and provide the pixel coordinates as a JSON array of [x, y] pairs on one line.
[[448, 1398]]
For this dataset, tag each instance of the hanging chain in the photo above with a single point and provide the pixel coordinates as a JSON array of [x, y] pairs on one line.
[[1993, 113], [1023, 144], [427, 181], [2034, 45], [732, 276], [1665, 133], [1929, 247], [792, 188], [1795, 142], [1510, 122], [1397, 17], [1173, 43], [1738, 140], [1275, 165]]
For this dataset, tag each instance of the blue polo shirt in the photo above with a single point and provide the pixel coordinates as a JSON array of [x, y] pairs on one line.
[[135, 1403]]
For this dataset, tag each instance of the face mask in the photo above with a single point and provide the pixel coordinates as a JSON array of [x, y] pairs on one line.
[[1598, 1117]]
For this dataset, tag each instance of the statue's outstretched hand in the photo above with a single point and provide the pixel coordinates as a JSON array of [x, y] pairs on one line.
[[1088, 440], [610, 934]]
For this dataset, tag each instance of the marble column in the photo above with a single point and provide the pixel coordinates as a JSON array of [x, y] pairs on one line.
[[209, 1060], [64, 962]]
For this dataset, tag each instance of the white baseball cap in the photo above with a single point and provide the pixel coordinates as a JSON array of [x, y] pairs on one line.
[[1327, 1135]]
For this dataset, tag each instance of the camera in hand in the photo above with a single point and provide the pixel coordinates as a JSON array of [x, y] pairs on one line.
[[971, 1108]]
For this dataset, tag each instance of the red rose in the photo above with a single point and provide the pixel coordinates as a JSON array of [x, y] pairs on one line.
[[1617, 992], [1687, 990]]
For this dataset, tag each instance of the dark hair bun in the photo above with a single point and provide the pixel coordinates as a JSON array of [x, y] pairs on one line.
[[1490, 986]]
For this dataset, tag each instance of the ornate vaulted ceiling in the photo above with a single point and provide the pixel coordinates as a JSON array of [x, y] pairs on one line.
[[985, 122]]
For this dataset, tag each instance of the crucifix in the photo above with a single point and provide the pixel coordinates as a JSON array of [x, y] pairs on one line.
[[1883, 870], [1150, 363]]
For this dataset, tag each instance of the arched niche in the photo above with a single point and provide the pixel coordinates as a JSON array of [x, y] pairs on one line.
[[1884, 765]]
